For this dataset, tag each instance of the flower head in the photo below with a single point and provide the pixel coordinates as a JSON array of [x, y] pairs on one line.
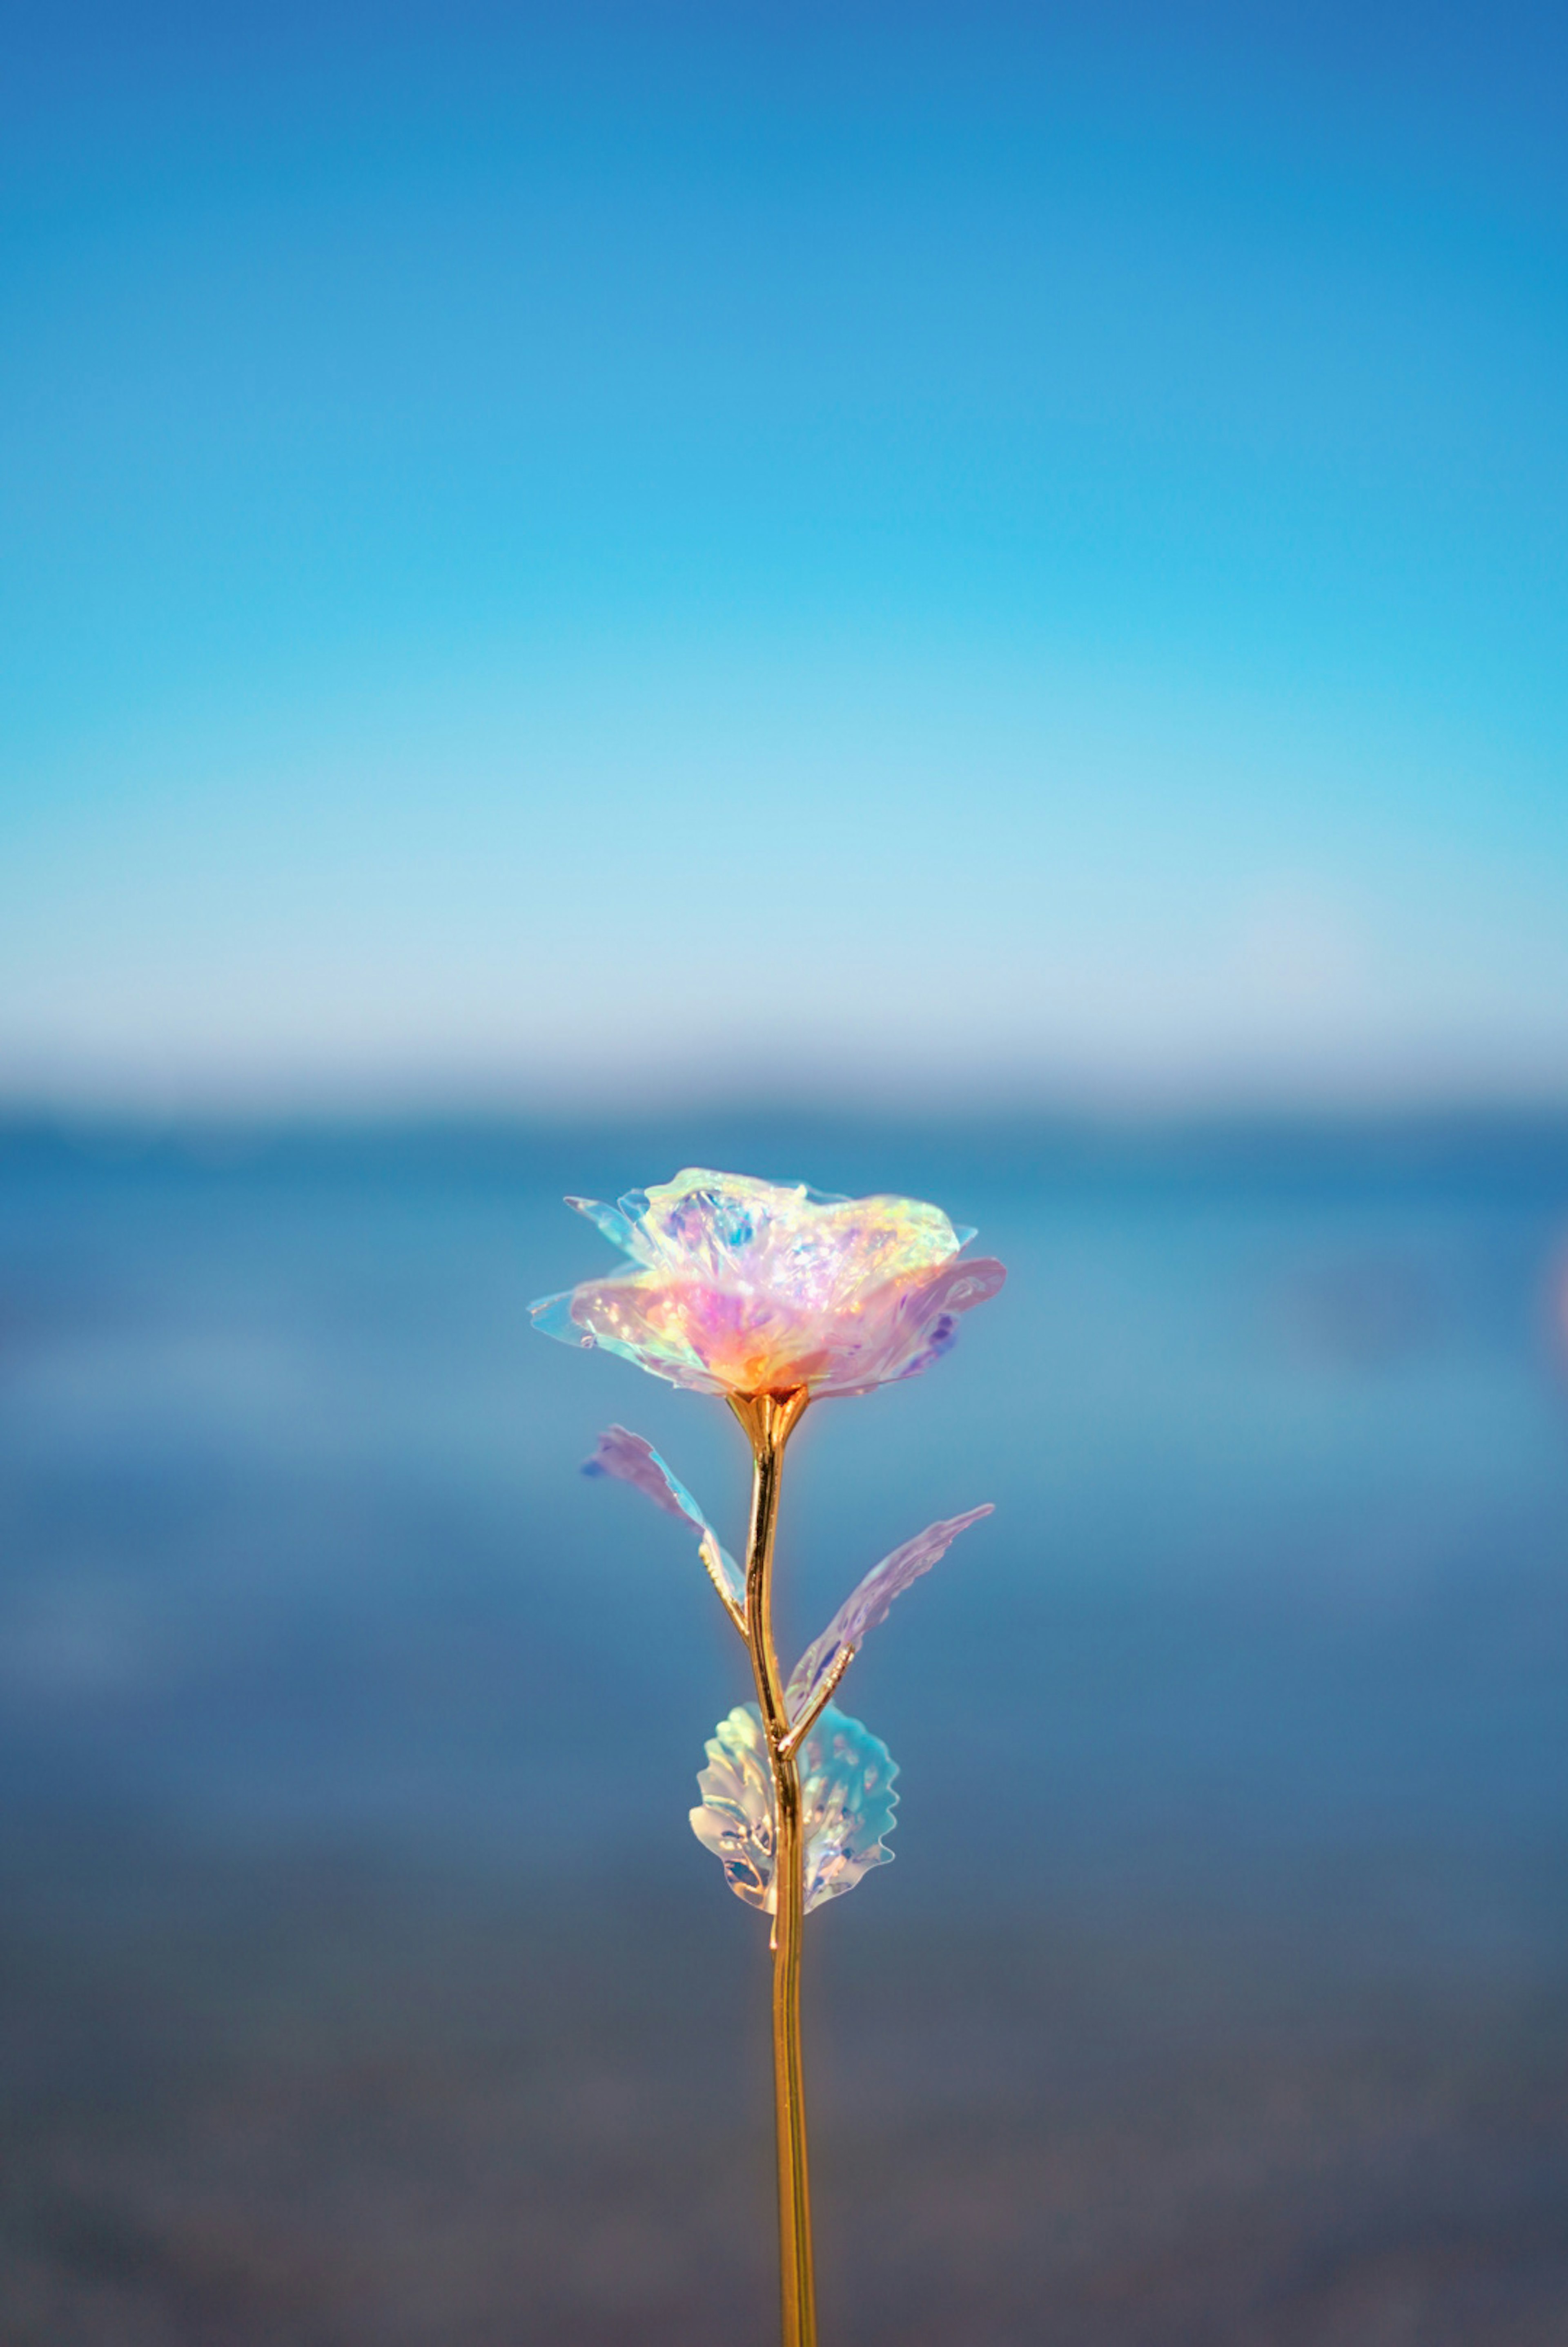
[[748, 1287]]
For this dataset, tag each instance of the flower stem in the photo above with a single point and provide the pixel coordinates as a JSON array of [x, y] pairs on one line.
[[770, 1420]]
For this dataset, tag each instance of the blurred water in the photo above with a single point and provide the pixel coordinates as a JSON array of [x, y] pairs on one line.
[[1273, 1609]]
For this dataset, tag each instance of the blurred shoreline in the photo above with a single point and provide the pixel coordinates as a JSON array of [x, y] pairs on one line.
[[344, 2104], [362, 1978]]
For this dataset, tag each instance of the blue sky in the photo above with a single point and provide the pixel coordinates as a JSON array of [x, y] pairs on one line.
[[619, 551]]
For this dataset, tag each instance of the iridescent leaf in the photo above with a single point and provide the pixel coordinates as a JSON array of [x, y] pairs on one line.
[[868, 1603], [632, 1461], [847, 1805]]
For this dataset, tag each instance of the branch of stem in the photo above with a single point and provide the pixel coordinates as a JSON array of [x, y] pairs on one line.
[[827, 1686]]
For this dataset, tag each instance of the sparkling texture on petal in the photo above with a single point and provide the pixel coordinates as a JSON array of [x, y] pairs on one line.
[[868, 1603], [847, 1805], [631, 1459], [748, 1286]]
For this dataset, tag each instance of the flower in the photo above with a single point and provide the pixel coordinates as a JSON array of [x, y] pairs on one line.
[[749, 1287]]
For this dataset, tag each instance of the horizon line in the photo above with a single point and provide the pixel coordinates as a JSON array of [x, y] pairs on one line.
[[320, 1111]]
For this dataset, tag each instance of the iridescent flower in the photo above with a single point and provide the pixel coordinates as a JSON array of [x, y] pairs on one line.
[[750, 1287], [772, 1297]]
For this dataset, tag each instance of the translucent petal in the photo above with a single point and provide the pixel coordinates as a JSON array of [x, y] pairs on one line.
[[868, 1603], [746, 1286], [620, 1230], [631, 1459], [636, 1316], [903, 1330], [555, 1316], [731, 1340], [804, 1247], [847, 1805]]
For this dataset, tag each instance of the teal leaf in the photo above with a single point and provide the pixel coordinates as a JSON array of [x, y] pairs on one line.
[[847, 1804]]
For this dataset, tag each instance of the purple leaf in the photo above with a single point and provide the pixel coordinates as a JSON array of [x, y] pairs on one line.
[[630, 1460], [868, 1603]]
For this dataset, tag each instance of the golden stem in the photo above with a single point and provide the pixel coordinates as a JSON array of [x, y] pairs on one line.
[[770, 1420]]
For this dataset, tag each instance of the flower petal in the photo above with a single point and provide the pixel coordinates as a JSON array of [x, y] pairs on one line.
[[806, 1249], [640, 1317], [902, 1329], [620, 1230]]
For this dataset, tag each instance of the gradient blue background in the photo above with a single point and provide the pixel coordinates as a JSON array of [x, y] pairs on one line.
[[963, 603], [1037, 537]]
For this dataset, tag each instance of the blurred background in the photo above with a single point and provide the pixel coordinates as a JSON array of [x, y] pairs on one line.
[[971, 602]]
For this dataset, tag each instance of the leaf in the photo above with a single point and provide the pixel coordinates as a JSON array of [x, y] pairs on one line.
[[868, 1603], [847, 1805], [630, 1460]]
